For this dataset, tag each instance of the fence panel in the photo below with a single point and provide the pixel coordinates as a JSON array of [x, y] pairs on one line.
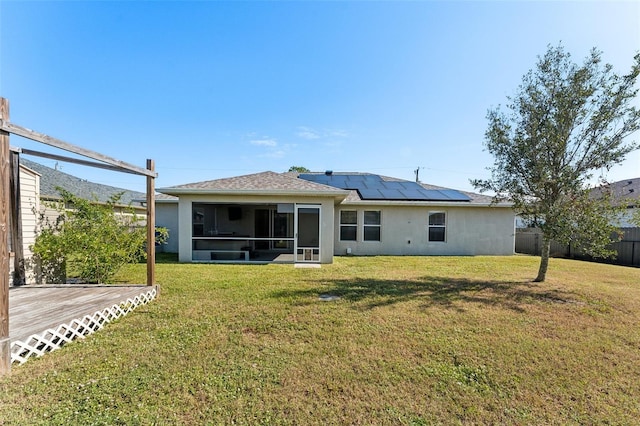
[[529, 241]]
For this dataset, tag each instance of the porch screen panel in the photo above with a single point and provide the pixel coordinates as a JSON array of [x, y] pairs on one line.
[[308, 227]]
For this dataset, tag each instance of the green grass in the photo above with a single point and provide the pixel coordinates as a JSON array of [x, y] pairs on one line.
[[411, 340]]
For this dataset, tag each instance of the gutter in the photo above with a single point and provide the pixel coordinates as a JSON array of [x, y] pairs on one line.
[[338, 194], [424, 204]]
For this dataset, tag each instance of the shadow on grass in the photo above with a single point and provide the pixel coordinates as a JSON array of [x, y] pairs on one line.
[[446, 292], [167, 258]]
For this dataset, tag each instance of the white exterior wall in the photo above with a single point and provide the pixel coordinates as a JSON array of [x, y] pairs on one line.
[[167, 217], [185, 213], [404, 231]]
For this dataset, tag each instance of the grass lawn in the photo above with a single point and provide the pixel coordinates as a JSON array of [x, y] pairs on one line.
[[410, 340]]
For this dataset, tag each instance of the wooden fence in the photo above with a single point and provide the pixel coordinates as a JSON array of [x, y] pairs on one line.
[[529, 241]]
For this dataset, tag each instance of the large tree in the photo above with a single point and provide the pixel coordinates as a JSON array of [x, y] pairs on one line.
[[299, 169], [565, 123]]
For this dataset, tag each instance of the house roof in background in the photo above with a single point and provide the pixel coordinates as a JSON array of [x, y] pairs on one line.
[[625, 192], [257, 182], [52, 179], [164, 198]]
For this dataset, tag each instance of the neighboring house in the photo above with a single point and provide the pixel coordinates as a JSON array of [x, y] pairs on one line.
[[29, 205], [52, 179], [625, 193], [39, 192], [310, 217]]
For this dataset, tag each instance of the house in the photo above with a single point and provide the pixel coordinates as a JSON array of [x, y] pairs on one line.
[[310, 217], [625, 193], [52, 179], [39, 193]]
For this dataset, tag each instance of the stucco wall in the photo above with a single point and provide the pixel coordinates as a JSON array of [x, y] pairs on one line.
[[167, 217], [185, 213], [404, 231]]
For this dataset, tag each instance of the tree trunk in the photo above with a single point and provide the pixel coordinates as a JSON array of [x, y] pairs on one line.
[[544, 260]]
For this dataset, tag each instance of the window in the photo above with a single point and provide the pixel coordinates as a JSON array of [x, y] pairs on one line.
[[348, 225], [437, 226], [372, 225]]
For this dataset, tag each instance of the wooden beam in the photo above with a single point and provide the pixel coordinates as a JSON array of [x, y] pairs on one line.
[[151, 226], [5, 342], [17, 239], [75, 161], [6, 126]]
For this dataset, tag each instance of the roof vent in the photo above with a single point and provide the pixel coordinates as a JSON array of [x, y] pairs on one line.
[[328, 172]]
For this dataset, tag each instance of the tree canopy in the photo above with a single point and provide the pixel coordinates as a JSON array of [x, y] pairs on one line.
[[565, 123], [299, 169]]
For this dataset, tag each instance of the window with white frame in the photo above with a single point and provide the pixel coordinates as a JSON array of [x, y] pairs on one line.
[[372, 225], [437, 226], [348, 225]]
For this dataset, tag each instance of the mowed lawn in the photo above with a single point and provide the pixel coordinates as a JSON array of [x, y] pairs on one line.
[[405, 340]]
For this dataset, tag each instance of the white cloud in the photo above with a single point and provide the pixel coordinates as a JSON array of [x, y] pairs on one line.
[[264, 142], [279, 153], [311, 133], [339, 133], [307, 133]]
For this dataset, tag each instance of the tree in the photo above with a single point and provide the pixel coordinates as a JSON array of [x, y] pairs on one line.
[[299, 169], [565, 123], [93, 240]]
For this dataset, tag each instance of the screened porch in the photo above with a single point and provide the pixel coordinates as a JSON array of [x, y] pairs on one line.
[[261, 233]]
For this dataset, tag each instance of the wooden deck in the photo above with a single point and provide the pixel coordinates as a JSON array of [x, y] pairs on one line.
[[33, 309], [36, 310]]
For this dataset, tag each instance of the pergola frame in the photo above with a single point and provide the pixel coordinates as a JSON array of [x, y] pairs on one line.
[[9, 202]]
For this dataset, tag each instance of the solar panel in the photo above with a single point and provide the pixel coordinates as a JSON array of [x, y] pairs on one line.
[[392, 194], [413, 194], [455, 195], [369, 194], [373, 187]]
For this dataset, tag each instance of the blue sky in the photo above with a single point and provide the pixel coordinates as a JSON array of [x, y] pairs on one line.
[[215, 89]]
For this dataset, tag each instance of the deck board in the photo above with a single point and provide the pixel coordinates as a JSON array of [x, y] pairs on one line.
[[34, 309]]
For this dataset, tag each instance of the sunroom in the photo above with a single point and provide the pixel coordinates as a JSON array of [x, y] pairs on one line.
[[278, 232]]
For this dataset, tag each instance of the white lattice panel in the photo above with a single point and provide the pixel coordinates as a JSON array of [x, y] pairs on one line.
[[52, 339]]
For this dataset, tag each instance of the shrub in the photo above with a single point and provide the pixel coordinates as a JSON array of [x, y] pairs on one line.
[[89, 240]]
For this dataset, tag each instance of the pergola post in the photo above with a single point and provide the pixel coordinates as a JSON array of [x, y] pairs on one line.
[[99, 160], [5, 343], [151, 225]]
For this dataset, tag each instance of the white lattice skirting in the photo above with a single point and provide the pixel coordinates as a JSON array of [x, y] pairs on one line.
[[50, 340]]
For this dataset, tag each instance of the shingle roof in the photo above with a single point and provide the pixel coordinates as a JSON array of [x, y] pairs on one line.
[[290, 182], [265, 181], [625, 192], [51, 179]]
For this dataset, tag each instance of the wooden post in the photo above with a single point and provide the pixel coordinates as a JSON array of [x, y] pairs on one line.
[[151, 226], [5, 343]]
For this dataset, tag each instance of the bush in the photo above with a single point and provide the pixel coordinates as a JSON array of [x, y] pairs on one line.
[[89, 240]]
